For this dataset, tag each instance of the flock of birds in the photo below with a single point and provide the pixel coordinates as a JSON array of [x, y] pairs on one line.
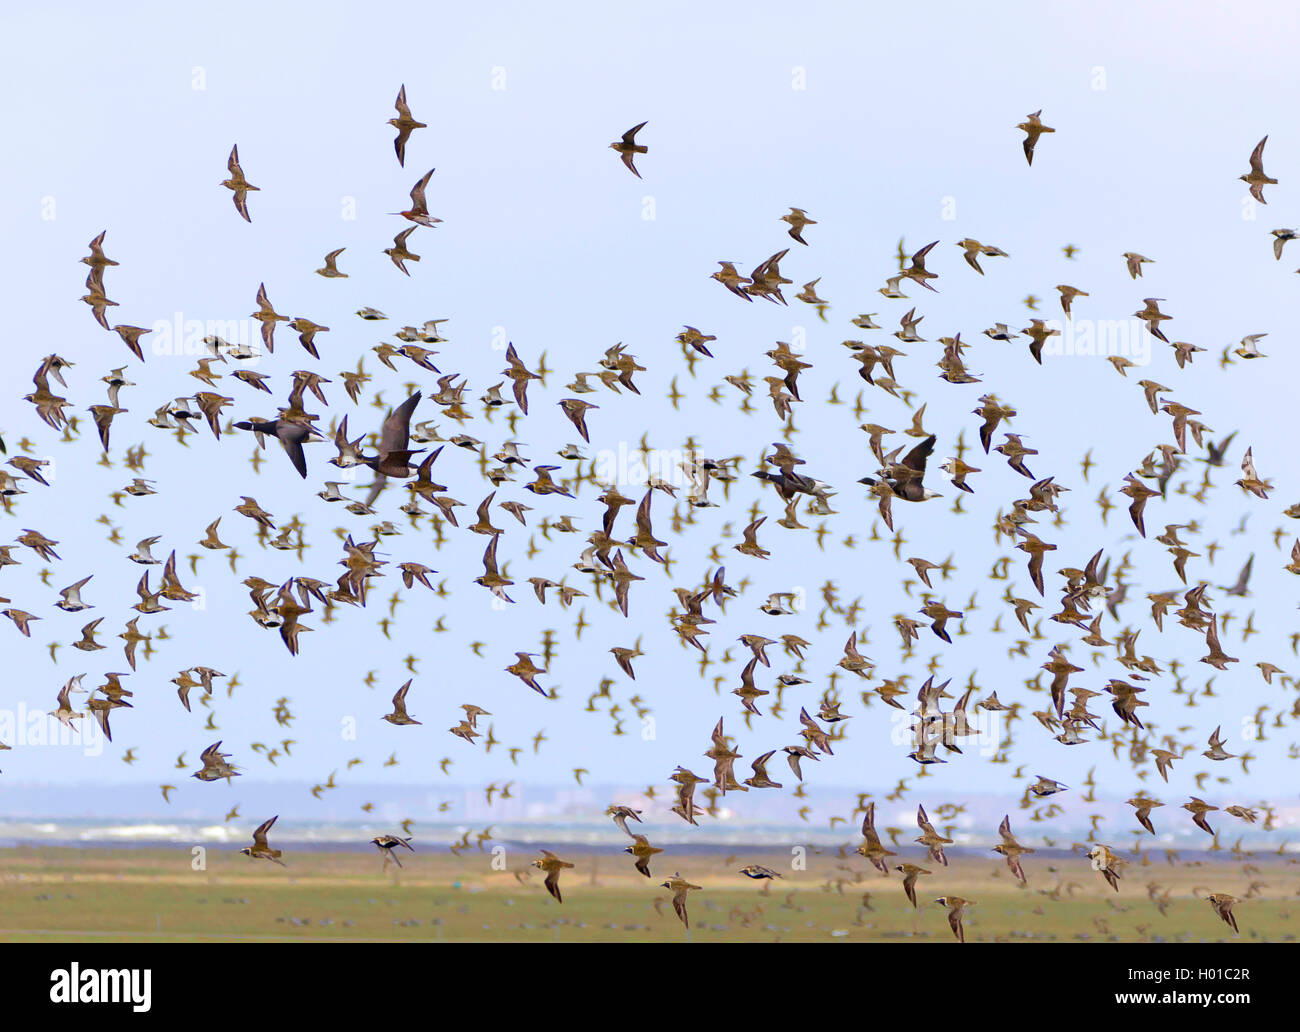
[[615, 558]]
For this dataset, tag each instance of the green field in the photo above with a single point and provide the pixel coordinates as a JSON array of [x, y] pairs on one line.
[[57, 894]]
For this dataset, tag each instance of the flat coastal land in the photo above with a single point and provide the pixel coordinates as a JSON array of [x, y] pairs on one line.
[[65, 894]]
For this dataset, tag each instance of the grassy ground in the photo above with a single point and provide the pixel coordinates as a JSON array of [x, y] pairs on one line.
[[155, 895]]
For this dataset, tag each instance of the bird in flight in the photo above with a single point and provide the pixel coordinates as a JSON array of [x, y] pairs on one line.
[[1033, 128], [628, 148], [237, 184], [404, 124]]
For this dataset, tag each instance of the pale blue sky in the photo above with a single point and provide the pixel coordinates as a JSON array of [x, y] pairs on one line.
[[904, 117]]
